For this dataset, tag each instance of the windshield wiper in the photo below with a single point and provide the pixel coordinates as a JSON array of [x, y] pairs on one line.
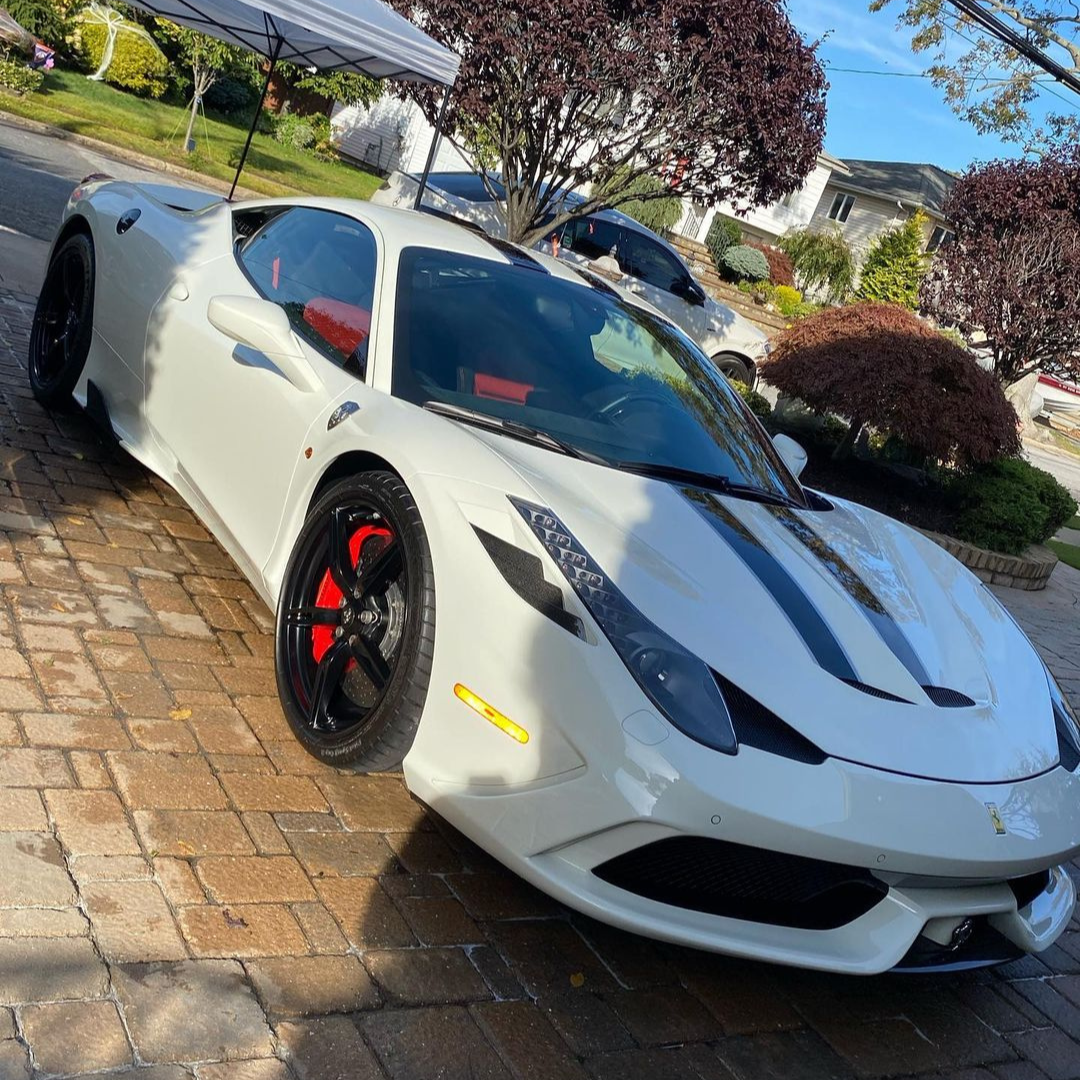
[[512, 428], [723, 485]]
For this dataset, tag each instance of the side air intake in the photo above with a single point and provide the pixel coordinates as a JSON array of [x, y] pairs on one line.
[[524, 573], [948, 699]]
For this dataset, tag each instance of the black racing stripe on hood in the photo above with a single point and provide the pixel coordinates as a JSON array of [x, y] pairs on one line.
[[808, 622], [875, 611]]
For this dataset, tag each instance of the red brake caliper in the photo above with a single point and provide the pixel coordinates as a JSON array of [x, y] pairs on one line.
[[329, 595]]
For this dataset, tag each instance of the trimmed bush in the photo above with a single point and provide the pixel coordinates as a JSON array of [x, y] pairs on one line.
[[822, 261], [1008, 505], [758, 403], [781, 268], [723, 233], [231, 96], [296, 131], [879, 364], [17, 77], [137, 64], [787, 300], [659, 212], [896, 264], [744, 263]]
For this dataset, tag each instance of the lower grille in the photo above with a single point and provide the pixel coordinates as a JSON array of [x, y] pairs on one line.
[[1025, 889], [720, 878]]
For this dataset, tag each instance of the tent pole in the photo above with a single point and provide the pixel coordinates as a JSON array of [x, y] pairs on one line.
[[255, 118], [431, 152]]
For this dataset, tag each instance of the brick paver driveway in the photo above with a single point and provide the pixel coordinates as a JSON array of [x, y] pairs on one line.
[[183, 891]]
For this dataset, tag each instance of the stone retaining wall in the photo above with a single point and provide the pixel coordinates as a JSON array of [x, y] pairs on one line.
[[1029, 571]]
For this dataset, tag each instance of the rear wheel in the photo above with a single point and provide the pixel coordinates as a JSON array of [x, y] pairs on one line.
[[734, 367], [63, 323], [356, 624]]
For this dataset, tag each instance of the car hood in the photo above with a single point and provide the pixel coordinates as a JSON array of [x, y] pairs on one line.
[[789, 604]]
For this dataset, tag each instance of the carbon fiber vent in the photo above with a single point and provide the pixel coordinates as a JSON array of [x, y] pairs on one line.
[[739, 882], [762, 729], [873, 691], [1068, 751], [946, 698]]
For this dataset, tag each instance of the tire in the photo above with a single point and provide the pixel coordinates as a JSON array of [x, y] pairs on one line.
[[734, 367], [353, 674], [63, 325]]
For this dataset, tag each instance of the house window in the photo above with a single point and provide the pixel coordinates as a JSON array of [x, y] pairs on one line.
[[789, 200], [841, 207], [939, 236]]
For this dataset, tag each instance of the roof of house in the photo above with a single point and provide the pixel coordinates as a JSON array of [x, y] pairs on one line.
[[923, 185]]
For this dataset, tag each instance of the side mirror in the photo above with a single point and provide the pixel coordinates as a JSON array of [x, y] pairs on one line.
[[794, 456], [263, 326], [690, 291]]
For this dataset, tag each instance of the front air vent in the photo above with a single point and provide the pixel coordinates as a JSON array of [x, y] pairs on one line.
[[524, 573], [945, 698], [1025, 889], [739, 882], [1068, 749], [873, 691], [762, 729]]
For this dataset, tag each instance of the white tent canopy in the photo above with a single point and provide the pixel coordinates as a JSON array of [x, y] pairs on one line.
[[331, 35]]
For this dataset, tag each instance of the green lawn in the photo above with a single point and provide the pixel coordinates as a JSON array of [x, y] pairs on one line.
[[70, 101], [1073, 522], [1067, 553]]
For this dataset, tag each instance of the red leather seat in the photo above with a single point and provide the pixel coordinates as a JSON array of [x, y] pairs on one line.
[[345, 326]]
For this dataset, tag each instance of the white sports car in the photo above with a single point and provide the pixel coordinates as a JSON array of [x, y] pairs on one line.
[[526, 543]]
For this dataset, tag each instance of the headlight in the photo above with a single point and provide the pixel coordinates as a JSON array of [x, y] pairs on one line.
[[680, 685], [1068, 730]]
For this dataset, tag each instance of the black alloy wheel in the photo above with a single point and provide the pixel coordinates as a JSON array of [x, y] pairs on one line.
[[355, 624], [63, 323]]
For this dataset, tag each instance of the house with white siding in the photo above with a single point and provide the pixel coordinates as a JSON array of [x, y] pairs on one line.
[[873, 196], [767, 223]]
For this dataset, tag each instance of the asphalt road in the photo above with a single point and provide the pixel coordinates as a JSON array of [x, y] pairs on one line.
[[1066, 467]]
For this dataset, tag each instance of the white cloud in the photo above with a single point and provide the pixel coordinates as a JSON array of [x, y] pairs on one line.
[[850, 28]]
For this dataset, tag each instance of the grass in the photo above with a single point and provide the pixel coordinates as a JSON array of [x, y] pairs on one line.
[[1067, 553], [70, 101], [1073, 522]]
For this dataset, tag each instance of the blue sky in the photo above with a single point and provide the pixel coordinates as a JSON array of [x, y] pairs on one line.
[[887, 117]]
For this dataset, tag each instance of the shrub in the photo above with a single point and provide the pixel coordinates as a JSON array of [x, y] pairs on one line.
[[896, 264], [137, 64], [42, 18], [879, 364], [1007, 505], [787, 300], [723, 233], [295, 131], [758, 403], [16, 76], [231, 96], [822, 261], [781, 268], [744, 263], [661, 213]]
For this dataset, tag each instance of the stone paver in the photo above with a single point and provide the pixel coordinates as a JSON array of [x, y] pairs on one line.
[[184, 890]]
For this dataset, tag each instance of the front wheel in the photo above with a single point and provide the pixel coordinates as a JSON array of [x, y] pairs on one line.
[[356, 625], [63, 323], [734, 367]]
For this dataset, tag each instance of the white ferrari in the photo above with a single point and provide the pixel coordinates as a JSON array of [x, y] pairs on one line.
[[525, 543]]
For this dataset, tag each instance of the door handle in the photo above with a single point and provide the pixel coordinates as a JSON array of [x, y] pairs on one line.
[[126, 220]]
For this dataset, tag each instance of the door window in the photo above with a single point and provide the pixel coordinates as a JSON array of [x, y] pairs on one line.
[[319, 266], [593, 238], [652, 264]]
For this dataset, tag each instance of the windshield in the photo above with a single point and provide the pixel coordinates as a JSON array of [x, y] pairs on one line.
[[579, 363]]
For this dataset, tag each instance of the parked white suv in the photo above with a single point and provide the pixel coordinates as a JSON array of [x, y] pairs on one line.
[[650, 267]]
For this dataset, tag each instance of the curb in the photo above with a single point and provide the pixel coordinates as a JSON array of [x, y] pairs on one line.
[[131, 157]]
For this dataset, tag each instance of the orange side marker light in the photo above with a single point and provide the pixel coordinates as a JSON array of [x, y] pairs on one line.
[[491, 714]]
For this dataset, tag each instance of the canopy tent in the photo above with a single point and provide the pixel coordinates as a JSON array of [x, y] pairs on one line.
[[331, 35]]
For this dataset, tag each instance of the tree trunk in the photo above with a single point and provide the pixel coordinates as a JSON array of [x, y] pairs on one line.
[[847, 444], [191, 123]]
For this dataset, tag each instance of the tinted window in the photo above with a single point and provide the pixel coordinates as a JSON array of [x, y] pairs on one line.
[[653, 265], [465, 186], [592, 238], [320, 267], [574, 361]]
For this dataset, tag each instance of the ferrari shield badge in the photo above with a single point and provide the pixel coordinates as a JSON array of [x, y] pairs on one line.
[[996, 819]]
